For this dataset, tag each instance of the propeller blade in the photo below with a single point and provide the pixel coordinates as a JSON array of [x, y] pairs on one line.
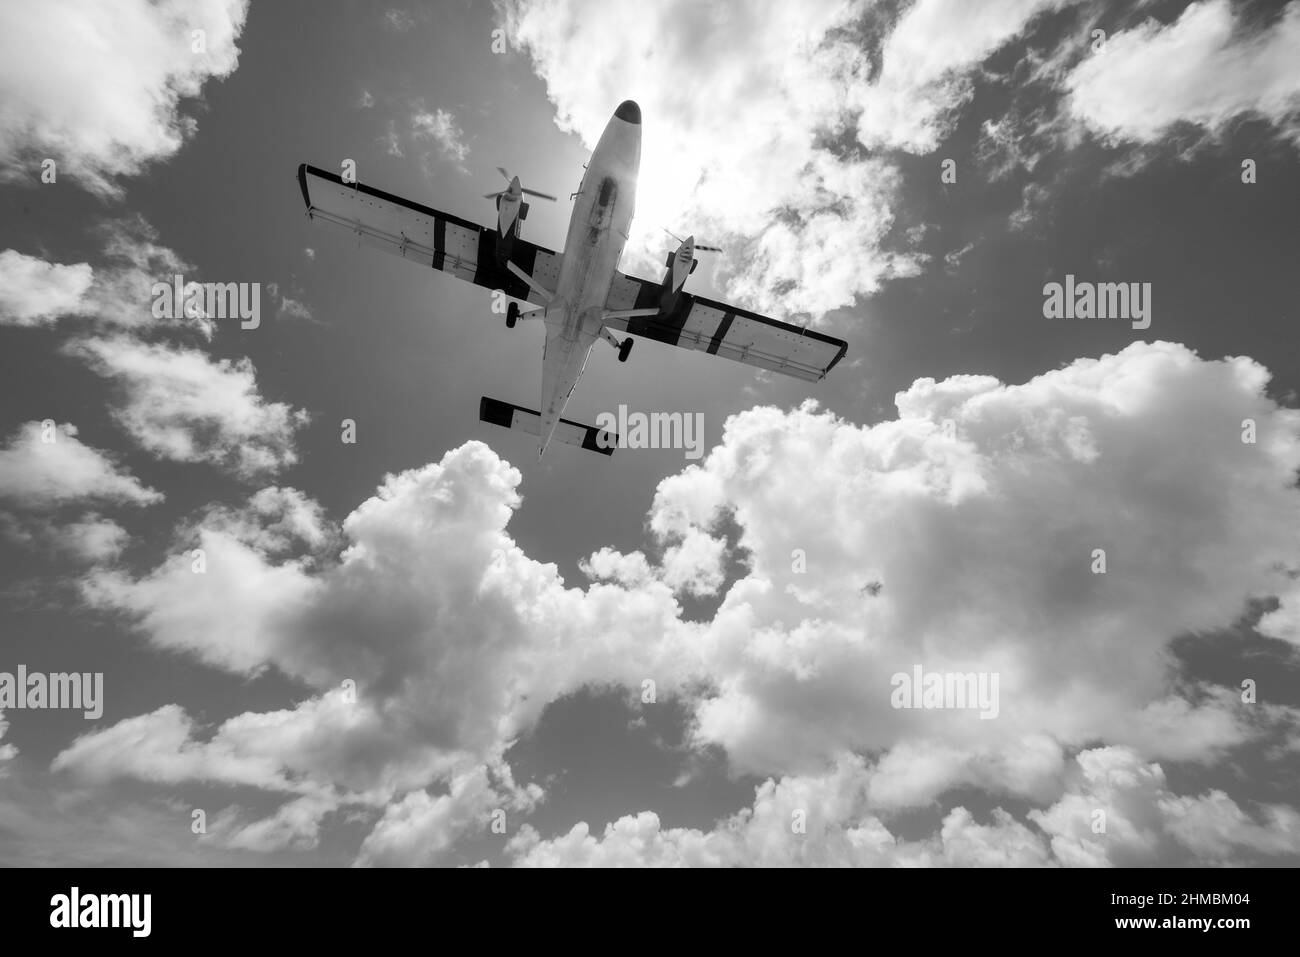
[[533, 192], [699, 247], [502, 171], [500, 192]]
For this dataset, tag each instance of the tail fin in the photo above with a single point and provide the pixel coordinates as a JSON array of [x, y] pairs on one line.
[[510, 416]]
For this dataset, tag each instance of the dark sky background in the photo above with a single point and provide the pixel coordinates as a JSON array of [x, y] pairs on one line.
[[406, 354]]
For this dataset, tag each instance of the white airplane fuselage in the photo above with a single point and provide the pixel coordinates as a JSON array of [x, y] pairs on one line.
[[598, 231]]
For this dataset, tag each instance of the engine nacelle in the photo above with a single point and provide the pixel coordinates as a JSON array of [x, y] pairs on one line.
[[510, 210], [681, 263]]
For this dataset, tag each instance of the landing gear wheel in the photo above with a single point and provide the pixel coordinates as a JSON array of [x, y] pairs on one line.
[[512, 315], [624, 349]]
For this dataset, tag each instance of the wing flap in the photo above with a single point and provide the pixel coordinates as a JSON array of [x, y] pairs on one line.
[[427, 236], [717, 328]]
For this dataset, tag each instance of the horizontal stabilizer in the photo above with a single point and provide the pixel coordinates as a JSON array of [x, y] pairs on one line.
[[510, 416]]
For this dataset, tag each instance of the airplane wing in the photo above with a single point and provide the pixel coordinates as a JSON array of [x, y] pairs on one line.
[[717, 328], [468, 251]]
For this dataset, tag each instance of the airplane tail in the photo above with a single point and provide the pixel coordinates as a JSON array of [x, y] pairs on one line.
[[510, 416]]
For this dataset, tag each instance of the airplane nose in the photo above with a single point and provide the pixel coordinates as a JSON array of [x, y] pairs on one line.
[[629, 112]]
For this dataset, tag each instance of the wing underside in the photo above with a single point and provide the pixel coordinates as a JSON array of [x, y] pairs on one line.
[[482, 256], [427, 236], [717, 328]]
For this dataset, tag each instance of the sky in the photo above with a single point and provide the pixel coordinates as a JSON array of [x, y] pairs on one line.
[[426, 648]]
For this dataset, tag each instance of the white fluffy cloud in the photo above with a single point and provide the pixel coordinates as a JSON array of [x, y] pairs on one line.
[[7, 751], [420, 829], [333, 741], [1284, 621], [117, 293], [35, 292], [826, 820], [441, 127], [180, 404], [976, 512], [1205, 68], [1142, 818], [926, 64], [452, 638], [430, 600], [134, 261], [39, 474], [806, 235], [91, 538], [97, 86], [844, 78], [175, 401]]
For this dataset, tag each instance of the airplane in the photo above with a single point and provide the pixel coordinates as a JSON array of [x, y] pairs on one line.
[[580, 296]]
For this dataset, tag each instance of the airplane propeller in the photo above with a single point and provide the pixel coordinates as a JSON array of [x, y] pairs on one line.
[[513, 180], [700, 246], [510, 202], [681, 262]]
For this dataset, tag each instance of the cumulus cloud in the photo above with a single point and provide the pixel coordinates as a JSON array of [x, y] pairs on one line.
[[977, 512], [226, 615], [273, 521], [180, 404], [118, 292], [691, 564], [848, 79], [1119, 812], [807, 235], [1206, 68], [420, 829], [1284, 621], [391, 141], [295, 825], [330, 746], [7, 751], [44, 466], [441, 128], [135, 261], [815, 820], [35, 292], [287, 306], [926, 62], [98, 87], [429, 600], [90, 539], [453, 639], [1115, 811], [694, 564], [176, 401]]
